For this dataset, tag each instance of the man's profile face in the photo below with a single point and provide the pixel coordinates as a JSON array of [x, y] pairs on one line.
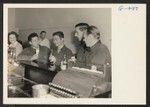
[[78, 33], [88, 39], [35, 42]]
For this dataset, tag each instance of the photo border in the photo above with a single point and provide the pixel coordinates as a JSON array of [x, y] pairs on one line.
[[73, 1]]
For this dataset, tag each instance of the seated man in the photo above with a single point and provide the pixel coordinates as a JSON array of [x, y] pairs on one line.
[[61, 52], [98, 55], [43, 40], [35, 51]]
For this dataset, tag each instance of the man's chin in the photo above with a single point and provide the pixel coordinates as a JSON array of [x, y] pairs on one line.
[[36, 46], [80, 39]]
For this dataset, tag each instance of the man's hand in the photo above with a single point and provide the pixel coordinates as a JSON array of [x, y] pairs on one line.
[[52, 58], [73, 59]]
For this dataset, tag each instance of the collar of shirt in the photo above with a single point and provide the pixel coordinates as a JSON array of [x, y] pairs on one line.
[[94, 47], [59, 48]]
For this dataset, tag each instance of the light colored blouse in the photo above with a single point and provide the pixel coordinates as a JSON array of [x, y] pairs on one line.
[[17, 46]]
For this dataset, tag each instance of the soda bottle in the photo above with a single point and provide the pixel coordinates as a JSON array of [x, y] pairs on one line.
[[64, 63]]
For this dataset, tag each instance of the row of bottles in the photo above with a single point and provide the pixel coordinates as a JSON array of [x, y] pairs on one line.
[[68, 63], [64, 64], [12, 55]]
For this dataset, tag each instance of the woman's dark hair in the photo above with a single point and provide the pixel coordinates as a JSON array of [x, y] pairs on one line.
[[59, 33], [12, 33], [32, 35]]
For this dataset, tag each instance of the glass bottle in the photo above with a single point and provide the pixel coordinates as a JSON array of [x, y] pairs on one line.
[[52, 66], [14, 55], [64, 63], [71, 62], [10, 56]]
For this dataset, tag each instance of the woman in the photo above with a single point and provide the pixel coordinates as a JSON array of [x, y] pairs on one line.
[[14, 49], [14, 45]]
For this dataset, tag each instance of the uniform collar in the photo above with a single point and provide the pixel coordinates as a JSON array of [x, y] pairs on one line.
[[95, 46], [61, 48]]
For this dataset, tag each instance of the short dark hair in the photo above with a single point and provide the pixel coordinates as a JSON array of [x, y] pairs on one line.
[[82, 26], [32, 35], [13, 33], [43, 32], [59, 33]]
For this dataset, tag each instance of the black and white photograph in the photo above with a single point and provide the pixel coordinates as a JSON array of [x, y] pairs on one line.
[[69, 54]]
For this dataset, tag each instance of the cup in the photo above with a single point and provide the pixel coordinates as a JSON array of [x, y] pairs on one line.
[[93, 67], [40, 90]]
